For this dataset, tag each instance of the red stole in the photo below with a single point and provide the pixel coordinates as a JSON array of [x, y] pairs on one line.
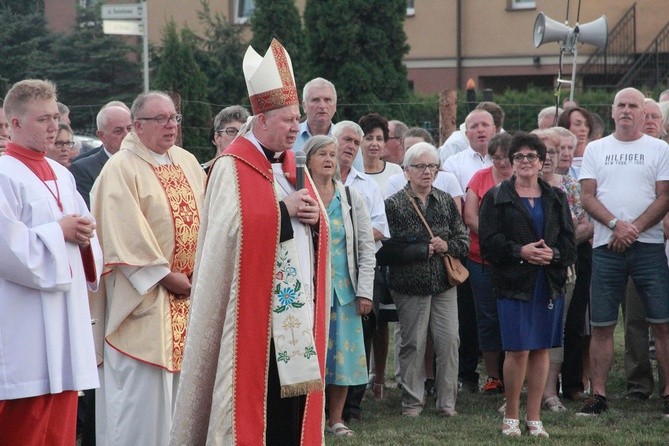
[[260, 222]]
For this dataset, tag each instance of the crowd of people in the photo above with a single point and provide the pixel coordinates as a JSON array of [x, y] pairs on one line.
[[150, 299]]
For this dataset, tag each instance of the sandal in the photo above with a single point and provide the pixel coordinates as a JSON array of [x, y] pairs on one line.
[[340, 430], [536, 429], [554, 404], [512, 429]]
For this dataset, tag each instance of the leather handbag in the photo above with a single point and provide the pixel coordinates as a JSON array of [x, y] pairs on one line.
[[457, 273]]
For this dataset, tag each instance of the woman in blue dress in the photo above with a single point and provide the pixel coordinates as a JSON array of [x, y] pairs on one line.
[[353, 264], [527, 234]]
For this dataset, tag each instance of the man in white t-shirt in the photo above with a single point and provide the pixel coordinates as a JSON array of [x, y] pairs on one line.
[[628, 240]]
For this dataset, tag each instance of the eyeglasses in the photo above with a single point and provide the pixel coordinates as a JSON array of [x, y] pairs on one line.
[[394, 137], [422, 167], [61, 144], [164, 119], [551, 153], [499, 158], [530, 157], [230, 131]]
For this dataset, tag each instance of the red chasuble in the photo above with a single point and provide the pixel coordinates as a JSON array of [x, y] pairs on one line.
[[260, 227]]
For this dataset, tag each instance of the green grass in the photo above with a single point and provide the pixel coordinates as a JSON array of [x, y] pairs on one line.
[[627, 422]]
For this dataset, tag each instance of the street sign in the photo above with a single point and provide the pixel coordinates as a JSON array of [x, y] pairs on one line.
[[123, 27], [125, 11]]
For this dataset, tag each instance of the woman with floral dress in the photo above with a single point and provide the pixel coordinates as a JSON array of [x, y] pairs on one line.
[[353, 264]]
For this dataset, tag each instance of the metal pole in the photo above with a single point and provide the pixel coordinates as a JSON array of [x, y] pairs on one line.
[[573, 70], [145, 45]]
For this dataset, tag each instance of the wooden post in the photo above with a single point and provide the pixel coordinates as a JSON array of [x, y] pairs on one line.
[[176, 97], [448, 109]]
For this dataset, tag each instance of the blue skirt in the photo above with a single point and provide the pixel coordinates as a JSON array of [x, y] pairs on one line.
[[532, 325]]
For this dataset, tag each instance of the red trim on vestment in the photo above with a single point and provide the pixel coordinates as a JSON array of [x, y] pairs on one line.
[[259, 225]]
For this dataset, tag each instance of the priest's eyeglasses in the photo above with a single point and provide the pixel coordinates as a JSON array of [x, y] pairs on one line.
[[164, 119], [60, 144], [230, 131]]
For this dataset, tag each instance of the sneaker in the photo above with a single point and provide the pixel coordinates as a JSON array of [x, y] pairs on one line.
[[594, 405], [665, 411], [493, 386]]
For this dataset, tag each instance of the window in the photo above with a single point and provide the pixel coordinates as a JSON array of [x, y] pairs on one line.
[[411, 11], [522, 4], [243, 10]]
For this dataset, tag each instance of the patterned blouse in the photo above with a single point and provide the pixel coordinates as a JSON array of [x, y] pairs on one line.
[[426, 277], [572, 188]]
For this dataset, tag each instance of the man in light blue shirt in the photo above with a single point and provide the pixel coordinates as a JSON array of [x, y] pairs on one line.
[[319, 102]]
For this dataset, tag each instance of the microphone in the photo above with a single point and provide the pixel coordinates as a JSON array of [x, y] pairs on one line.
[[300, 163]]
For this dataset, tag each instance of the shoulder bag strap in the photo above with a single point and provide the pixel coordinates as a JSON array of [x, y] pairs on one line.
[[420, 214]]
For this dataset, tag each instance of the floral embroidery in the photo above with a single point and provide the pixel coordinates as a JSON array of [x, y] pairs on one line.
[[293, 340]]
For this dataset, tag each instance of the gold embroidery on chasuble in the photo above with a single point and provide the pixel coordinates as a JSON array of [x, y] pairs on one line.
[[186, 220]]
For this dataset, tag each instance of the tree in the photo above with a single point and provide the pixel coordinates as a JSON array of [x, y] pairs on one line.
[[89, 68], [24, 40], [280, 19], [221, 58], [179, 72], [359, 45]]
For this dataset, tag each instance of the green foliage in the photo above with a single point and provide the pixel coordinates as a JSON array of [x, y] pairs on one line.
[[24, 40], [280, 19], [222, 50], [179, 72], [359, 45], [89, 68], [23, 7]]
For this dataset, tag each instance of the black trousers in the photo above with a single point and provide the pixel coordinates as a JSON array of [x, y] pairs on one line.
[[574, 340], [284, 415], [469, 342]]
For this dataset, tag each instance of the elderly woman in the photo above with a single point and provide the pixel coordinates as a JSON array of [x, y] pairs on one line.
[[225, 128], [419, 282], [60, 150], [527, 234], [487, 321], [375, 135], [353, 264], [578, 121]]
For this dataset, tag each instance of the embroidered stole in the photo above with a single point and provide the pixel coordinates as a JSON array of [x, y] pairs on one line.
[[186, 220]]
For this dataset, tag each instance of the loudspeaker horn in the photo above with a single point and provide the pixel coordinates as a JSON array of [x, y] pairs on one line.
[[549, 30], [594, 33]]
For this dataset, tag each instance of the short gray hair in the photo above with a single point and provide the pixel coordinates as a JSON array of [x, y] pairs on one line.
[[339, 128], [419, 149], [230, 114], [548, 111], [317, 142], [315, 83], [565, 132], [141, 100], [400, 128]]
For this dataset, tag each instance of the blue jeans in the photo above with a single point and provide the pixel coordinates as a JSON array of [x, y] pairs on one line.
[[487, 319], [646, 264]]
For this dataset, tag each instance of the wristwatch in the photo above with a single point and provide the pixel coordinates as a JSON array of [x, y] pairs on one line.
[[612, 224]]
